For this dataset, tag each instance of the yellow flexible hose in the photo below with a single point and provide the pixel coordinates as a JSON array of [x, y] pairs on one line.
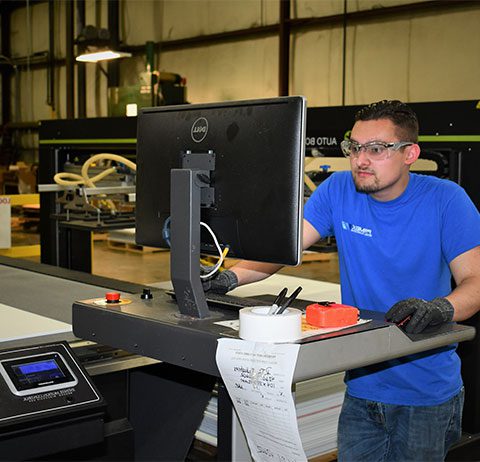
[[104, 156], [67, 179]]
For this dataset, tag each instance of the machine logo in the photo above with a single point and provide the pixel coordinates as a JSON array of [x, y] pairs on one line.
[[199, 129]]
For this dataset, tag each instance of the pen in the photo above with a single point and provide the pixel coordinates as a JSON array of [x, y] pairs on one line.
[[272, 309], [289, 301], [278, 300]]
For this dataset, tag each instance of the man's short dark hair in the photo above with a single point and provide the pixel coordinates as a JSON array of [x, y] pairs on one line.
[[401, 115]]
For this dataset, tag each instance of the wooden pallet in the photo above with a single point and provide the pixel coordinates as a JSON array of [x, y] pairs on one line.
[[309, 256], [131, 247], [328, 457], [99, 236]]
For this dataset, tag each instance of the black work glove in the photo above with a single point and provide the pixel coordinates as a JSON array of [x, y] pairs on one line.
[[221, 282], [423, 313]]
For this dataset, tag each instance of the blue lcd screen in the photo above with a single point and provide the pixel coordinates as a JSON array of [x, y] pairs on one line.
[[38, 372], [38, 367]]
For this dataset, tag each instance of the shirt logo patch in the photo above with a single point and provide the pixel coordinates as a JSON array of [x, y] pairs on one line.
[[356, 229]]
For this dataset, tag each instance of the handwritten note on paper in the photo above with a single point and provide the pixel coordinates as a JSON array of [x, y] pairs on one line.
[[258, 377]]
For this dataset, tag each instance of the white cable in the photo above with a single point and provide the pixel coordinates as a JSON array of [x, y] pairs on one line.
[[221, 258]]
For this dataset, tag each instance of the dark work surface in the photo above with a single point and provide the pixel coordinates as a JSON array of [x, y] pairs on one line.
[[49, 290]]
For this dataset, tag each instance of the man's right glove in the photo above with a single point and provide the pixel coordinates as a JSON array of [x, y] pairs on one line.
[[423, 313], [221, 283]]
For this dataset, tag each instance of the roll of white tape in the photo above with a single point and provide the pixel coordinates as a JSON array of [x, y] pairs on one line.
[[259, 326]]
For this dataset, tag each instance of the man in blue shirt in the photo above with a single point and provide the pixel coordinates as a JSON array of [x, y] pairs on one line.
[[400, 238]]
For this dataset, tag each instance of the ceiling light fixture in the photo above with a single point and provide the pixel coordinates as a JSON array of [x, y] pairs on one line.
[[103, 55], [94, 45]]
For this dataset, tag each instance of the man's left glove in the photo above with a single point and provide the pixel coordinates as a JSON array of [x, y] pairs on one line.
[[423, 313], [221, 283]]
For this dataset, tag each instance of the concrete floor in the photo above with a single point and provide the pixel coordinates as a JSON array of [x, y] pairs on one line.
[[148, 267]]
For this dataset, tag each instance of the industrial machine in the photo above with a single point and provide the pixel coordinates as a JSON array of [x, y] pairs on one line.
[[62, 398], [448, 136], [148, 410], [147, 323], [67, 216], [49, 403], [151, 326], [178, 330]]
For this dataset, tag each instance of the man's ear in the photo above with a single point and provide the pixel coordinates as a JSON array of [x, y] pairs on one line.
[[412, 153]]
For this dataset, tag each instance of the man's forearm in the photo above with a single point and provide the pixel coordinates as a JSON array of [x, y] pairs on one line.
[[250, 271], [465, 298]]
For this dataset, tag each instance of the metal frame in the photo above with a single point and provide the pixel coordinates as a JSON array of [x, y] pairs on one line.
[[60, 140]]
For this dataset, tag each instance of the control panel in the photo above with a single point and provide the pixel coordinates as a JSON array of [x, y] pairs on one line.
[[43, 382]]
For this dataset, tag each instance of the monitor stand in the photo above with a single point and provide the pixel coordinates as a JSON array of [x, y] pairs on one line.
[[189, 191]]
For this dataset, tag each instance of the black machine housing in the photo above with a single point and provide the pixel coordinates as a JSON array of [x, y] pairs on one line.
[[449, 135], [48, 403]]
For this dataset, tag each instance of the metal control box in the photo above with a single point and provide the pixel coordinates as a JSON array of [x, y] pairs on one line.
[[48, 404]]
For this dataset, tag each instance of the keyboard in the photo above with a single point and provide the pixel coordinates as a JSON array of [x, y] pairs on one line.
[[229, 302], [232, 301]]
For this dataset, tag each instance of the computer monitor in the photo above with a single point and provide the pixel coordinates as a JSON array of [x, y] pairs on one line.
[[247, 162]]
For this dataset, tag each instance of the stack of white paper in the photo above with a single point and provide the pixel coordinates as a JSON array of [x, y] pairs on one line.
[[207, 432], [318, 403]]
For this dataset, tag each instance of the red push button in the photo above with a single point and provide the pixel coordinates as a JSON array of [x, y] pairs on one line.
[[112, 297]]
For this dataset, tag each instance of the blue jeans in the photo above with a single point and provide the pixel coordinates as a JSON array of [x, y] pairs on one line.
[[372, 431]]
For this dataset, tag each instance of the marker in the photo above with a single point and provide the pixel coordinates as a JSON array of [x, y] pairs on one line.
[[289, 301], [272, 309], [280, 297], [278, 300]]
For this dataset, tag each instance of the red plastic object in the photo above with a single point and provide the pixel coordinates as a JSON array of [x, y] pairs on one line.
[[329, 314], [112, 297]]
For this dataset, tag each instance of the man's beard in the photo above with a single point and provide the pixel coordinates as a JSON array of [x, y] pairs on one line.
[[371, 188], [368, 189]]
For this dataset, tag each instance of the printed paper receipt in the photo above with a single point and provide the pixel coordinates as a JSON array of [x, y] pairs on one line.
[[258, 377]]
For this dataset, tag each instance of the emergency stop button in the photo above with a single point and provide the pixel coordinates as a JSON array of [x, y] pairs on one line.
[[112, 297]]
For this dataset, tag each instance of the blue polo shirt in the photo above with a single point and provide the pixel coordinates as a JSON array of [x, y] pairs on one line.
[[390, 251]]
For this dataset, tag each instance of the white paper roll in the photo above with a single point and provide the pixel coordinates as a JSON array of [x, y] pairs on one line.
[[259, 326]]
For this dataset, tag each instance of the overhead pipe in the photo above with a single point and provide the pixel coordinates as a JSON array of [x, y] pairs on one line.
[[344, 53], [81, 68], [69, 60], [51, 56], [284, 48], [6, 70], [114, 29]]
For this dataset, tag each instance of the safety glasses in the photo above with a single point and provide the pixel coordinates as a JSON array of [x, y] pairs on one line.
[[374, 150]]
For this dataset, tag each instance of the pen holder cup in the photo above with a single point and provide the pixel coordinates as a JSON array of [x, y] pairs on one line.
[[258, 326]]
